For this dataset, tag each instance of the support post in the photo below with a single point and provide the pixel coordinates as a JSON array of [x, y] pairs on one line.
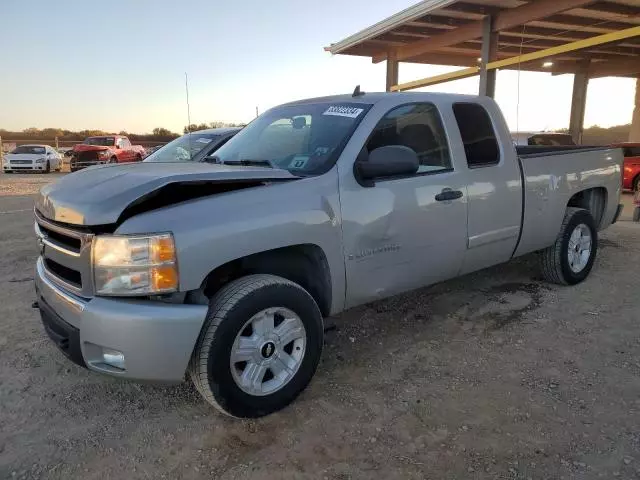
[[489, 54], [634, 133], [579, 101], [392, 69]]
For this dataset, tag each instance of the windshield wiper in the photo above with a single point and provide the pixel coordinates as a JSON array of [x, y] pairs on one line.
[[250, 162]]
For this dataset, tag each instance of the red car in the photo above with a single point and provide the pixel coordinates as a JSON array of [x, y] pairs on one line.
[[105, 149], [631, 171]]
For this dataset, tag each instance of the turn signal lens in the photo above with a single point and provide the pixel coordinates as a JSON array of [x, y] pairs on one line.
[[164, 278], [163, 249]]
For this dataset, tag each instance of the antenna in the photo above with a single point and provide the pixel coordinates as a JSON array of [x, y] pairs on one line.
[[186, 87], [357, 92]]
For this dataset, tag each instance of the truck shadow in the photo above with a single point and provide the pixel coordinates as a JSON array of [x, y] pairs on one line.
[[475, 305]]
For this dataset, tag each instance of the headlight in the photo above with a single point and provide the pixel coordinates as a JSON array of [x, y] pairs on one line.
[[103, 153], [40, 160], [134, 265]]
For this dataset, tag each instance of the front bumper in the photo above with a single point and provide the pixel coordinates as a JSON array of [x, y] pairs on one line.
[[35, 167], [85, 164], [156, 338]]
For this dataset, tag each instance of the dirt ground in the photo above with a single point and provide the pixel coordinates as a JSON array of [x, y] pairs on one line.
[[493, 375]]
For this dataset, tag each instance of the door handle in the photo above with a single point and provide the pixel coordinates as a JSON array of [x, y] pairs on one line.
[[448, 194]]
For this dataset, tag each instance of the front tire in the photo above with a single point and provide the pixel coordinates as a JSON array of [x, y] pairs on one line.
[[570, 259], [48, 168], [113, 160], [259, 347]]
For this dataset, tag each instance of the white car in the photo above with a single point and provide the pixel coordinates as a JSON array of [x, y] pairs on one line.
[[35, 158]]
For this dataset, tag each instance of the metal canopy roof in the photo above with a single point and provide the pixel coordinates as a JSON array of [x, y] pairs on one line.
[[449, 32]]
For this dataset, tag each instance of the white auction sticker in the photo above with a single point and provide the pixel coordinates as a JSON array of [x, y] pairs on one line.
[[342, 111], [203, 140]]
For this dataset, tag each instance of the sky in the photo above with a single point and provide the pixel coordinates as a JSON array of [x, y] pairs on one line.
[[120, 65]]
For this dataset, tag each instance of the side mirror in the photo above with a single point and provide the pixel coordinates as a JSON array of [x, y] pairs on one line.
[[388, 161]]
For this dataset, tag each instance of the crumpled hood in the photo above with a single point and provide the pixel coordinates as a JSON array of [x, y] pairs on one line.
[[98, 195]]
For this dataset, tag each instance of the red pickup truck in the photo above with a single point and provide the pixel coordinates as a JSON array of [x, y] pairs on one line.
[[631, 170], [105, 149]]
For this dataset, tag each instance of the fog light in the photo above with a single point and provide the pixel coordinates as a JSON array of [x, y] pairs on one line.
[[113, 358]]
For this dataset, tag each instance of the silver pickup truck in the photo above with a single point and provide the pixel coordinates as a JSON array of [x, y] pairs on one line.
[[223, 271]]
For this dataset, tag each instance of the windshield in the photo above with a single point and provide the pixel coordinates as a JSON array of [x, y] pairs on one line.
[[183, 149], [29, 149], [101, 141], [305, 139]]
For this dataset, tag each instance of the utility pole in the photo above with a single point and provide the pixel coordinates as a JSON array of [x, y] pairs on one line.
[[256, 111]]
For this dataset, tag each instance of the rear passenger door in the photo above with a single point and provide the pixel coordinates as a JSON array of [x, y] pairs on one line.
[[494, 186], [401, 233]]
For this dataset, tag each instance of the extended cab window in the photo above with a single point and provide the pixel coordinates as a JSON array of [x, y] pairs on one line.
[[478, 136], [417, 126]]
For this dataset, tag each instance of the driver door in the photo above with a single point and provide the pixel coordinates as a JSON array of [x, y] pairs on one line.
[[401, 233]]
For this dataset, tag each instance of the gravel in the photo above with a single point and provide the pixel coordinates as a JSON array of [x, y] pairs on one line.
[[493, 375]]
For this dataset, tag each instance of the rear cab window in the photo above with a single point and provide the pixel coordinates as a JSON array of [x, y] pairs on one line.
[[478, 135]]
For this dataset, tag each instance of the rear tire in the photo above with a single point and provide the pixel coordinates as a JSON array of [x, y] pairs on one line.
[[570, 259], [215, 369]]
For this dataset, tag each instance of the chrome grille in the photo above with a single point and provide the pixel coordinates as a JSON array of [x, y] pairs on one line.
[[21, 162], [66, 253]]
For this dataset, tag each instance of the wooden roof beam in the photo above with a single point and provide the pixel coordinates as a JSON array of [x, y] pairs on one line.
[[472, 8], [507, 18], [614, 8], [523, 59], [617, 68]]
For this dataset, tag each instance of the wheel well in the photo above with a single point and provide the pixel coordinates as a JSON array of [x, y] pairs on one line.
[[305, 265], [593, 199], [634, 180]]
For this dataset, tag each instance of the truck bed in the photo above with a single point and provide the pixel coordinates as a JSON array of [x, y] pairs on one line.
[[552, 175], [546, 150]]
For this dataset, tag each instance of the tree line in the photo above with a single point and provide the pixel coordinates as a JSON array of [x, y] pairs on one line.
[[158, 134]]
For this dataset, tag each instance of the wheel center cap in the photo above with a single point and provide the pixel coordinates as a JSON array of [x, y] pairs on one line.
[[268, 350]]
